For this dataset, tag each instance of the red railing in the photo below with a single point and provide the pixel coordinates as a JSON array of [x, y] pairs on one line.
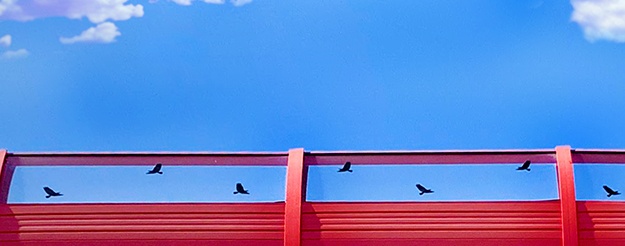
[[600, 222], [140, 224], [298, 222]]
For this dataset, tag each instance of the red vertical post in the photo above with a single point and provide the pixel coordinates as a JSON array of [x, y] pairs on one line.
[[294, 198], [4, 191], [566, 187]]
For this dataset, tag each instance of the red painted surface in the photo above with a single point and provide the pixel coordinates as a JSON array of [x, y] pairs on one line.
[[566, 187], [432, 223], [142, 224], [433, 157], [5, 177], [601, 223], [294, 198], [560, 222], [113, 159], [598, 156]]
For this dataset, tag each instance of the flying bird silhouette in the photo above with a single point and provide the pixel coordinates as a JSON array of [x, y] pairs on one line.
[[157, 169], [240, 189], [610, 191], [346, 167], [50, 192], [423, 189], [526, 166]]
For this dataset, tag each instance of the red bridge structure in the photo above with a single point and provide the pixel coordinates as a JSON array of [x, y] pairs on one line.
[[295, 222]]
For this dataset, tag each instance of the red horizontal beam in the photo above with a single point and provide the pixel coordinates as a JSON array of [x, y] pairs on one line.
[[145, 235], [433, 242], [127, 208], [126, 160], [367, 207], [135, 242], [430, 158], [433, 234], [594, 156], [429, 215]]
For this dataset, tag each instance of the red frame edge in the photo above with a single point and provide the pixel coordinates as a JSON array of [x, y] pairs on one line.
[[566, 188], [4, 188], [294, 198]]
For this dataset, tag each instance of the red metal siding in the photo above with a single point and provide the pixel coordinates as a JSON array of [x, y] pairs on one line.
[[601, 223], [142, 224], [432, 223]]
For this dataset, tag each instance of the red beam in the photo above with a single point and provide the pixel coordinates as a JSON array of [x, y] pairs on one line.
[[168, 159], [4, 181], [568, 205], [440, 157], [581, 156], [294, 198]]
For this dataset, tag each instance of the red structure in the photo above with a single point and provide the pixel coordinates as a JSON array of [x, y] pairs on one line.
[[296, 222]]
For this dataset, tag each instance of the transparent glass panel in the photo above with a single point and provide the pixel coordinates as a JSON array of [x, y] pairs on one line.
[[111, 184], [499, 182], [590, 179]]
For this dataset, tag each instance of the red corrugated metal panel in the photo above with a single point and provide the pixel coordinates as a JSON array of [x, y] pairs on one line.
[[601, 223], [142, 224], [432, 223]]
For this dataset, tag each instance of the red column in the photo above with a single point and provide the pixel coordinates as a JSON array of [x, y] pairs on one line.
[[566, 186], [4, 191], [294, 198]]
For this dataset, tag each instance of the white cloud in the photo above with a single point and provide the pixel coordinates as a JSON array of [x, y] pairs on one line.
[[600, 19], [188, 2], [17, 54], [5, 40], [102, 33], [240, 2], [96, 11]]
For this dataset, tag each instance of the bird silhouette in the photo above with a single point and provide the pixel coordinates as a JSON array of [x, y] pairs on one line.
[[526, 166], [240, 189], [610, 191], [346, 167], [157, 169], [423, 189], [50, 192]]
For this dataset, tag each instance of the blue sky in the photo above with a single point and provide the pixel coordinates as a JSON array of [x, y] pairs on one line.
[[261, 75]]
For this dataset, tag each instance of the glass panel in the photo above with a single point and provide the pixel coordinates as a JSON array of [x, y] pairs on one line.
[[497, 182], [109, 184], [590, 179]]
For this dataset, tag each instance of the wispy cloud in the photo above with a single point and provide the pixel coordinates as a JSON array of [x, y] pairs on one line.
[[600, 19], [100, 12], [102, 33], [240, 2], [96, 11], [17, 54], [5, 40], [188, 2]]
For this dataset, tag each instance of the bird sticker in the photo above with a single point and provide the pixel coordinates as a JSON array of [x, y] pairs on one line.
[[423, 189], [610, 191], [156, 169], [50, 192], [526, 166], [240, 190], [346, 167]]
